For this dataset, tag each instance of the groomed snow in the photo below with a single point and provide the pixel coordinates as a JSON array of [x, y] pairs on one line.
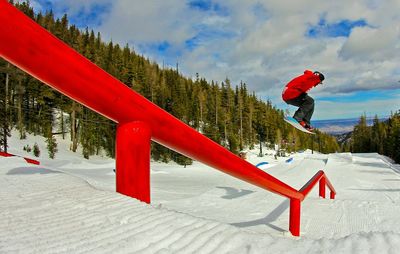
[[69, 205]]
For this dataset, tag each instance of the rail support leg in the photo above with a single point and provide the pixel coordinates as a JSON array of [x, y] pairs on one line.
[[294, 220], [322, 184], [133, 160]]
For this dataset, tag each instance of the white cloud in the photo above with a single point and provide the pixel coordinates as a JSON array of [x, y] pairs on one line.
[[372, 44], [149, 21], [216, 20], [35, 5]]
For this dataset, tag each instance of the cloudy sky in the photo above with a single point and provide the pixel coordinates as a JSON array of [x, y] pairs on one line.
[[264, 43]]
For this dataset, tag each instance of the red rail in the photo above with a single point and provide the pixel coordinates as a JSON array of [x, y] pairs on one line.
[[31, 161], [30, 47], [295, 204], [323, 181]]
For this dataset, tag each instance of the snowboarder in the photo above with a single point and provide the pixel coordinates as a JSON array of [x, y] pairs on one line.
[[295, 93]]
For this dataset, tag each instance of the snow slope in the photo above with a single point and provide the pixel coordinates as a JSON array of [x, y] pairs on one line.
[[69, 205]]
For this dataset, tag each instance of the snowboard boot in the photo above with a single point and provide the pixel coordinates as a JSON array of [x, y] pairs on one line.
[[309, 127], [306, 126], [303, 124]]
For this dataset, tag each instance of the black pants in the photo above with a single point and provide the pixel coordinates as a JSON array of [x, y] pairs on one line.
[[306, 107]]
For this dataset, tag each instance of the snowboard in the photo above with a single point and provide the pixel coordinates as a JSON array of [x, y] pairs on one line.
[[296, 124]]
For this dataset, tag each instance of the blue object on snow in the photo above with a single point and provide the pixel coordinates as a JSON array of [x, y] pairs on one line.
[[261, 163], [289, 160]]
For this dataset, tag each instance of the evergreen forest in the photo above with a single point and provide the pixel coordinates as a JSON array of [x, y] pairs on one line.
[[227, 113], [382, 137]]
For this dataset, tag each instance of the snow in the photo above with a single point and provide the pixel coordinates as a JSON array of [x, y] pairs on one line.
[[69, 205]]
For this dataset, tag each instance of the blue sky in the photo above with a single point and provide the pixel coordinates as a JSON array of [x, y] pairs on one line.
[[361, 95], [341, 28], [264, 43], [81, 16], [208, 6]]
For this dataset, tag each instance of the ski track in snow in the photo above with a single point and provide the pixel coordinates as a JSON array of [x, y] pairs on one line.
[[198, 210]]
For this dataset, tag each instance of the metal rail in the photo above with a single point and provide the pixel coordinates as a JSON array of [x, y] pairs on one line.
[[295, 204], [31, 161], [323, 181]]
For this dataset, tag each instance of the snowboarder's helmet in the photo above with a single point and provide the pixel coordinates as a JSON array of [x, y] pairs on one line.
[[320, 75]]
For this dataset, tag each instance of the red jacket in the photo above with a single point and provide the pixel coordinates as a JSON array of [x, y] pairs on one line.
[[300, 85]]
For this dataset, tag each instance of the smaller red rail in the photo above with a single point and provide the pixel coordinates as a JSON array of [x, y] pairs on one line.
[[323, 181], [295, 204], [31, 161]]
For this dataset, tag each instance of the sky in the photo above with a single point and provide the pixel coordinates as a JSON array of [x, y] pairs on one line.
[[263, 43]]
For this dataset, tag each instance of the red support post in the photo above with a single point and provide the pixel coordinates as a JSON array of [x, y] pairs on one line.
[[322, 184], [294, 220], [133, 160]]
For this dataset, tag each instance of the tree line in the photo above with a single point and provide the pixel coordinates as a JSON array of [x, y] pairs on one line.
[[227, 113], [382, 137]]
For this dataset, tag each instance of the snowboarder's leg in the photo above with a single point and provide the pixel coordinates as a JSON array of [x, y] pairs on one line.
[[305, 111], [298, 102], [308, 108], [299, 114]]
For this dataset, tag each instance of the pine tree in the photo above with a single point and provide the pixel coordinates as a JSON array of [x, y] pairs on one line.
[[4, 132], [226, 106], [259, 125], [239, 114], [74, 112], [20, 92], [51, 145], [378, 135], [88, 134], [361, 136], [393, 139], [4, 105], [36, 150]]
